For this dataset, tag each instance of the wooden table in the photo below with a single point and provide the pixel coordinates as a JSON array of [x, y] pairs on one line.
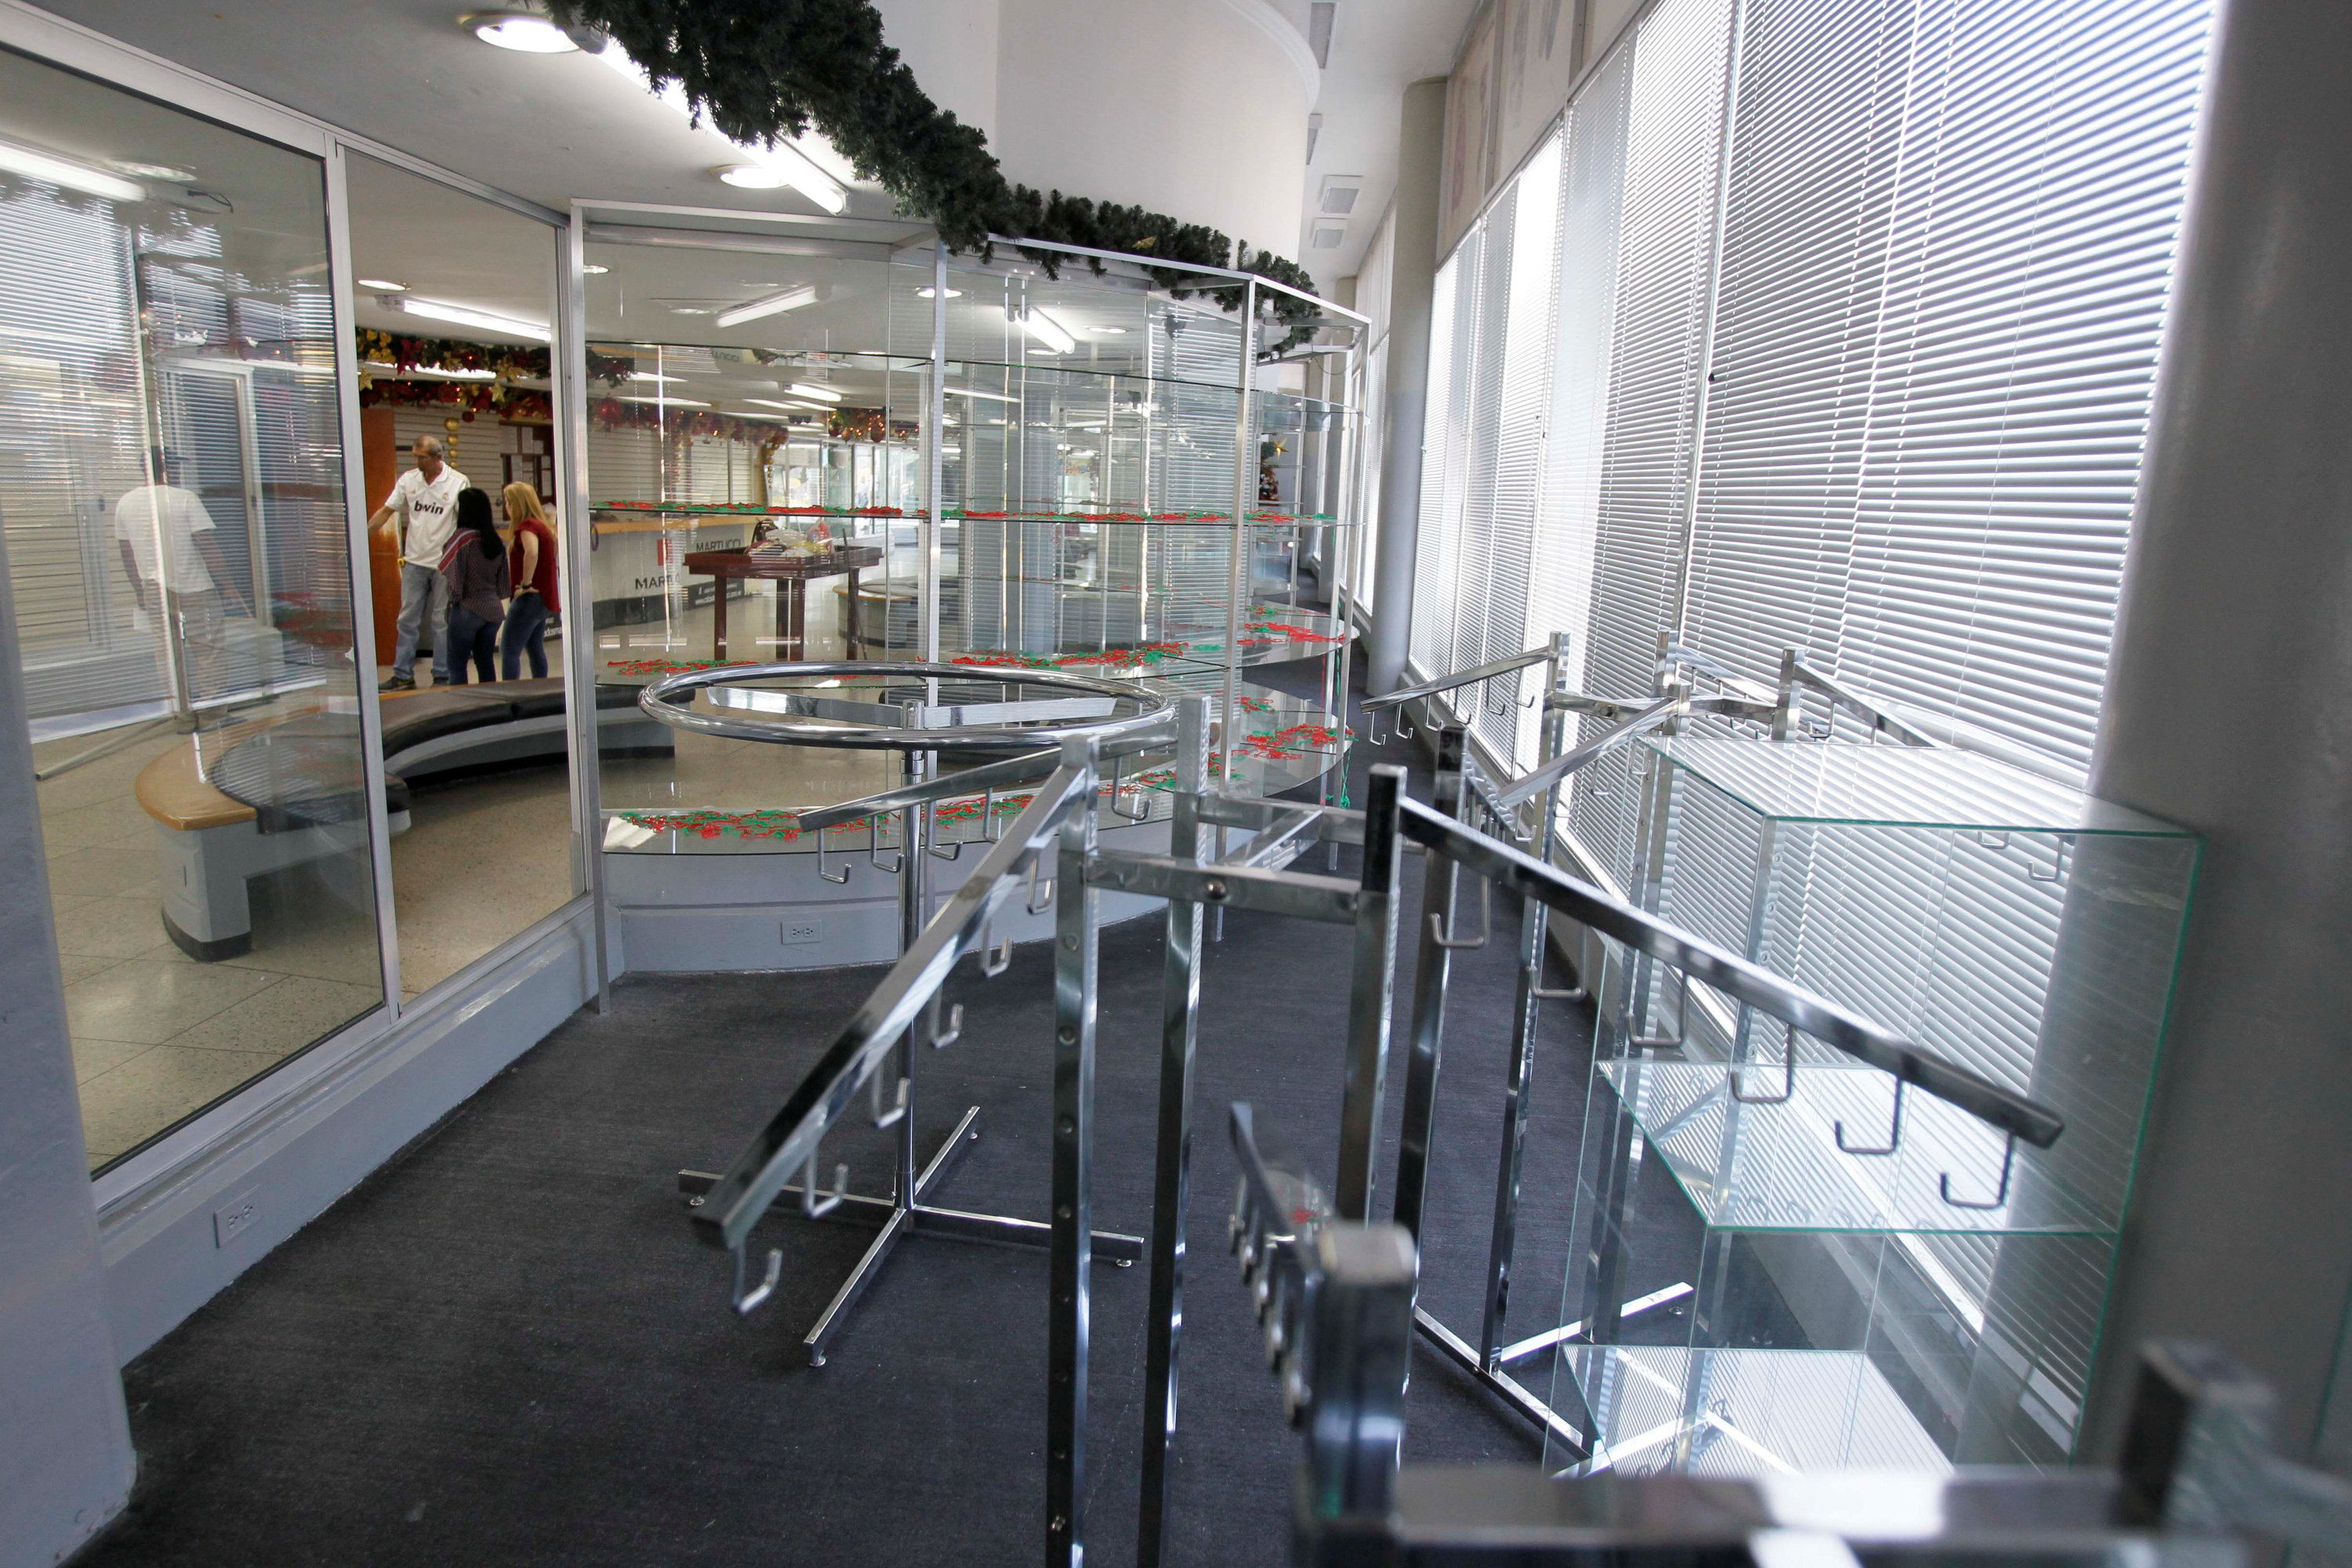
[[790, 573]]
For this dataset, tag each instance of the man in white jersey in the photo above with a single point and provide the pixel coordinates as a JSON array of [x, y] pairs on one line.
[[166, 540], [424, 499]]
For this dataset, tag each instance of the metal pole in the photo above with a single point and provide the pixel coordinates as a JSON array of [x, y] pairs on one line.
[[1238, 566], [570, 362], [1179, 1013], [1441, 878], [929, 609], [1535, 919], [1371, 994], [1072, 1248]]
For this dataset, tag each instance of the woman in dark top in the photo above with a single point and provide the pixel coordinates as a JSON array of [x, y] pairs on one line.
[[531, 561], [476, 565]]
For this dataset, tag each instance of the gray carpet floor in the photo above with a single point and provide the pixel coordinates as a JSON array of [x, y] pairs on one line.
[[507, 1347]]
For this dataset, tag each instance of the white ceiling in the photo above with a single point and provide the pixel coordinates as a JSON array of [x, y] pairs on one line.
[[553, 128], [1378, 47]]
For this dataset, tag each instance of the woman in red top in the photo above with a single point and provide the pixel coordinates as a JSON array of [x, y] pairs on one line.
[[530, 555]]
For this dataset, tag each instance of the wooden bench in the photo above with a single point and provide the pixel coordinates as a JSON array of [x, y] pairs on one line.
[[238, 803]]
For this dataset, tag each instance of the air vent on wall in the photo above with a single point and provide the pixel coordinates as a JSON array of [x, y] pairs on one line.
[[1327, 236], [1340, 192], [1320, 17]]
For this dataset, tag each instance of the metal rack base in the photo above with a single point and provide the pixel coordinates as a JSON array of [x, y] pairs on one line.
[[898, 1220]]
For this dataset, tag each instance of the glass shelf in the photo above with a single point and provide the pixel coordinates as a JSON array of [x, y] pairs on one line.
[[1896, 786]]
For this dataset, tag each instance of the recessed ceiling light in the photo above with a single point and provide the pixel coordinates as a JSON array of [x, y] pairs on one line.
[[383, 285], [926, 293], [750, 177], [594, 270], [663, 401], [153, 171], [806, 390], [1112, 331], [653, 375], [693, 309], [772, 402], [520, 31]]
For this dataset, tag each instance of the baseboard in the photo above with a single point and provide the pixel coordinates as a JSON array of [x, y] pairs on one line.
[[173, 1243]]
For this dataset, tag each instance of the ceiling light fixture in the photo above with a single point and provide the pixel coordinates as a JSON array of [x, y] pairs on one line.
[[774, 304], [989, 396], [653, 375], [927, 292], [594, 270], [139, 171], [786, 163], [519, 30], [33, 163], [806, 390], [803, 407], [465, 316], [1048, 332], [383, 285], [1108, 331], [660, 400]]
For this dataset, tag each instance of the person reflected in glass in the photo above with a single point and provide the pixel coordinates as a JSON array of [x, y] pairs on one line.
[[179, 579], [530, 560], [475, 567], [423, 501]]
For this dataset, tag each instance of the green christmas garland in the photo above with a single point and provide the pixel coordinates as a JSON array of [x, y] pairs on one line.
[[765, 70]]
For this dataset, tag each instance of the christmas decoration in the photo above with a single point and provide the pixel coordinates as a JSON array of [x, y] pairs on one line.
[[765, 70]]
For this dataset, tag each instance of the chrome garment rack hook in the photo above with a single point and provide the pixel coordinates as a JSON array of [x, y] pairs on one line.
[[1788, 1072], [1486, 921], [1681, 1022], [816, 1202], [993, 961], [1894, 1133], [1038, 903], [898, 1109], [1117, 766], [874, 846], [2000, 1194], [947, 1032], [746, 1300], [932, 837], [820, 861], [1373, 731]]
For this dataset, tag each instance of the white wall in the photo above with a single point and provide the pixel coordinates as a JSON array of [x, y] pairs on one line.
[[1195, 108], [65, 1445]]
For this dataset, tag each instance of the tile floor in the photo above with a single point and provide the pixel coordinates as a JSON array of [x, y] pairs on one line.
[[158, 1036]]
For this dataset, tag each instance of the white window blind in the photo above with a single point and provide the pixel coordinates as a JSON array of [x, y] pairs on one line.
[[1455, 296]]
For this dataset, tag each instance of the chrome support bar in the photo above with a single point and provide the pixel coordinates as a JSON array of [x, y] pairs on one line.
[[1517, 661], [1226, 886]]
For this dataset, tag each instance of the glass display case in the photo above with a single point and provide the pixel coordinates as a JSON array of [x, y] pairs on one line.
[[1031, 460], [1782, 1258]]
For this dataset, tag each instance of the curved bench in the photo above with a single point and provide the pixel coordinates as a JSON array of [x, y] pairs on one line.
[[236, 803]]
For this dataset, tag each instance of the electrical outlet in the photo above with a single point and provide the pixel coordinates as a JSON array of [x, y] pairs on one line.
[[796, 931], [236, 1216]]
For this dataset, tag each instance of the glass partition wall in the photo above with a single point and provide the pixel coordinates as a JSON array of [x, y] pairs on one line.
[[177, 359], [172, 490], [760, 398]]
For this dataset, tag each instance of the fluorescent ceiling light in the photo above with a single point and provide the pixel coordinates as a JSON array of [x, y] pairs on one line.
[[1108, 331], [520, 31], [660, 400], [752, 177], [382, 285], [991, 397], [1048, 332], [594, 270], [787, 162], [653, 375], [927, 292], [805, 408], [465, 316], [139, 171], [18, 159], [790, 299], [806, 390]]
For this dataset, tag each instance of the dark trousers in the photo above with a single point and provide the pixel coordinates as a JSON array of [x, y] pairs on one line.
[[526, 628], [471, 638]]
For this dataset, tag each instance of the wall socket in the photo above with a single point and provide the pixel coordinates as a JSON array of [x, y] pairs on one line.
[[236, 1216], [796, 931]]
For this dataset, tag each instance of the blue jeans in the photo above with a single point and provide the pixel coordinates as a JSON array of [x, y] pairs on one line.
[[471, 638], [526, 628], [421, 585]]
